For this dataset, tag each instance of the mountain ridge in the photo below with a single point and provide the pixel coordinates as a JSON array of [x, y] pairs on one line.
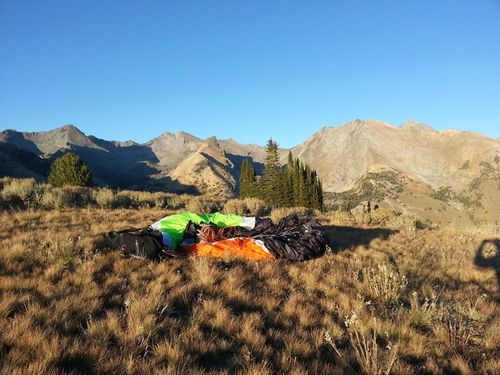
[[341, 155]]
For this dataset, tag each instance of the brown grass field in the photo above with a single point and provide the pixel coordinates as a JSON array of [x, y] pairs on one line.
[[382, 301]]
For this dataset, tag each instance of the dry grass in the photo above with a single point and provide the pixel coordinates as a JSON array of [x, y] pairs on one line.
[[419, 302]]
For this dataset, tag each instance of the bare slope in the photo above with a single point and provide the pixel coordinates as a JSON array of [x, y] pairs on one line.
[[343, 154]]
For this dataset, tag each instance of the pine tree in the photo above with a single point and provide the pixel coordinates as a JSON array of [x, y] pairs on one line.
[[288, 182], [243, 179], [284, 194], [271, 188], [320, 196], [252, 184], [70, 170], [247, 180], [308, 186], [296, 183], [302, 202]]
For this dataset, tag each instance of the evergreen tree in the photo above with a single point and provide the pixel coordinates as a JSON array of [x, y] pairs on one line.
[[320, 196], [253, 190], [271, 183], [247, 180], [243, 179], [288, 182], [296, 183], [308, 186], [284, 196], [70, 170]]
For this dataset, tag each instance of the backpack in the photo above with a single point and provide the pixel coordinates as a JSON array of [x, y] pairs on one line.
[[144, 243]]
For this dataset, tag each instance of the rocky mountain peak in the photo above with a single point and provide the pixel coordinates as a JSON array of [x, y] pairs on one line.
[[417, 126]]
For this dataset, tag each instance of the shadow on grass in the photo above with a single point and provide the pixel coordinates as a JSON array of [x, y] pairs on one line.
[[344, 238], [482, 259]]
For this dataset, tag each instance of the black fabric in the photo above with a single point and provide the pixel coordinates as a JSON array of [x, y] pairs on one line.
[[292, 238], [190, 236], [145, 243]]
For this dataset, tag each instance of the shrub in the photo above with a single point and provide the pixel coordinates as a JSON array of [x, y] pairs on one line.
[[202, 205], [70, 170], [122, 201], [18, 192], [146, 198], [381, 216], [107, 198], [56, 198], [247, 206], [177, 202], [279, 213], [67, 197], [161, 200], [444, 193], [341, 218], [104, 197], [22, 188], [404, 222]]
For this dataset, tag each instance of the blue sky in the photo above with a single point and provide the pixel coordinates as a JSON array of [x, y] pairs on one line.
[[247, 70]]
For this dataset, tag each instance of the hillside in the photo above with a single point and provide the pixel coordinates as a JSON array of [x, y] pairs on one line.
[[359, 147], [404, 168], [176, 162]]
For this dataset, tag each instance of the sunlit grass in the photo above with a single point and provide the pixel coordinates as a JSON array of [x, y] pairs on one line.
[[418, 301]]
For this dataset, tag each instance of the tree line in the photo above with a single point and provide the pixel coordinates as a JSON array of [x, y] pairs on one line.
[[293, 185]]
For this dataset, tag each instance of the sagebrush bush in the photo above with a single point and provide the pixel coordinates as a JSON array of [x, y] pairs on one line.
[[25, 192], [66, 197], [403, 222], [340, 218], [143, 199], [380, 216], [122, 201], [161, 200], [279, 213], [247, 206], [179, 201], [107, 198], [202, 205], [104, 197]]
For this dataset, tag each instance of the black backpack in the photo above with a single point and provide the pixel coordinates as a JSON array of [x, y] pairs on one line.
[[144, 243]]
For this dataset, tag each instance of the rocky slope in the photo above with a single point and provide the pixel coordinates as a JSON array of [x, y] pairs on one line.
[[344, 154]]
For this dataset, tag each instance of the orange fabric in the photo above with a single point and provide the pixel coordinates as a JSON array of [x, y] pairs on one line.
[[240, 247]]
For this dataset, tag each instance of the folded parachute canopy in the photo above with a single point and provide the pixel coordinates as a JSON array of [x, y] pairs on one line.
[[185, 234]]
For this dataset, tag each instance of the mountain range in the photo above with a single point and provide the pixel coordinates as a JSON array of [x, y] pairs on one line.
[[423, 159]]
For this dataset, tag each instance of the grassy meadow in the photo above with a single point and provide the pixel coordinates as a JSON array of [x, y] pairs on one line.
[[388, 298]]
